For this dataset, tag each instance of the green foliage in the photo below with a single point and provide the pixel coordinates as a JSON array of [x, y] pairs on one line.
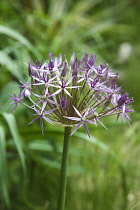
[[103, 171], [16, 138], [3, 167]]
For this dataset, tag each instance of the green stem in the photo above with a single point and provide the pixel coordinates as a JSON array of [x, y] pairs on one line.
[[63, 173]]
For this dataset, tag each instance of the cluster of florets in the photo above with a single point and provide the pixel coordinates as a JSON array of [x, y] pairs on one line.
[[72, 94]]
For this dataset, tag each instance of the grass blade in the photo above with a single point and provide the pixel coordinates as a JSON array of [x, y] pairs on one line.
[[3, 167], [17, 36], [4, 96], [10, 65], [135, 206], [98, 143], [10, 119]]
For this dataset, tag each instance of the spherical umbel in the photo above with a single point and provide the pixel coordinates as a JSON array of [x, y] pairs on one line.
[[72, 93]]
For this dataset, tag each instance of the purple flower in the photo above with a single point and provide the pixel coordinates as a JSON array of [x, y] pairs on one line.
[[16, 99], [63, 86], [64, 102], [26, 90], [43, 100], [41, 116], [72, 93], [82, 119]]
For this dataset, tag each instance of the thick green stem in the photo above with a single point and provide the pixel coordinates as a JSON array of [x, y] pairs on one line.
[[63, 173]]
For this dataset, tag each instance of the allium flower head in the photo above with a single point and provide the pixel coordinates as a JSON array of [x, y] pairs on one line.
[[72, 93]]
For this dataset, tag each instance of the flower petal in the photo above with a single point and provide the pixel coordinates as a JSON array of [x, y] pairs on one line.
[[55, 93], [33, 120], [67, 93], [86, 129], [48, 120], [73, 118], [77, 112], [78, 126]]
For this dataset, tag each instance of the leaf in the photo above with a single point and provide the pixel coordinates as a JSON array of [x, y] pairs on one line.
[[10, 119], [17, 36], [135, 206], [43, 146], [4, 96], [92, 140], [51, 163], [98, 143], [10, 65], [3, 167], [55, 12]]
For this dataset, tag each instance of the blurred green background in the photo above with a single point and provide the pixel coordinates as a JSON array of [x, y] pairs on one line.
[[104, 171]]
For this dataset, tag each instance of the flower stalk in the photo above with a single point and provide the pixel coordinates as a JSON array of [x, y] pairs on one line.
[[63, 172], [74, 93]]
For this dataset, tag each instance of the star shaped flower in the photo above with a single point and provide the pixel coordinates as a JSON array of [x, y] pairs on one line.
[[82, 119]]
